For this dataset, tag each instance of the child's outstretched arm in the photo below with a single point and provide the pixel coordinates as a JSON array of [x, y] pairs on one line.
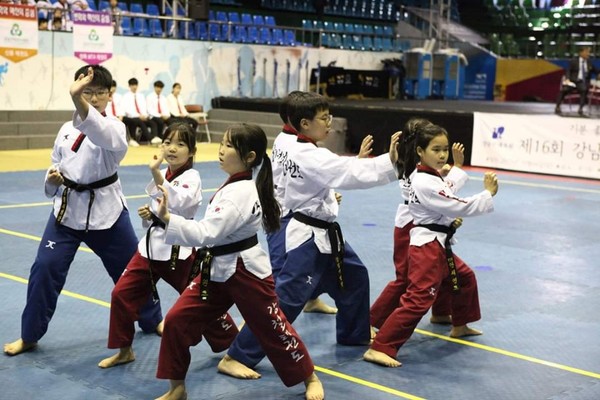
[[366, 147]]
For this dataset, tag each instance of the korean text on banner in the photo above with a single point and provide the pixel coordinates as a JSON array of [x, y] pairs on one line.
[[545, 144], [92, 36], [18, 32]]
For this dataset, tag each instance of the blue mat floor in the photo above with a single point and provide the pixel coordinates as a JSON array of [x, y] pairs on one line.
[[536, 260]]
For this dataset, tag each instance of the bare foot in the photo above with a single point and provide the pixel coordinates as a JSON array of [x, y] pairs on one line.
[[177, 391], [441, 319], [319, 306], [18, 347], [231, 367], [160, 327], [314, 388], [380, 358], [124, 356], [464, 330]]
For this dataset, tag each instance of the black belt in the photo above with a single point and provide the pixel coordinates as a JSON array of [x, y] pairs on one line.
[[334, 232], [78, 187], [156, 222], [204, 257], [449, 231]]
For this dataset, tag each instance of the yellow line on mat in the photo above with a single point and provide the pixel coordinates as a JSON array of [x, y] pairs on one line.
[[337, 374], [64, 292], [47, 203], [367, 383], [511, 354], [36, 238]]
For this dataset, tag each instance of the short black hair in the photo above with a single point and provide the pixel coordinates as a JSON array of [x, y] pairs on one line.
[[132, 81], [102, 76], [159, 84], [305, 106], [176, 84], [284, 105]]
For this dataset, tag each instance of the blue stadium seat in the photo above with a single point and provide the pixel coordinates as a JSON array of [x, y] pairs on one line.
[[377, 44], [386, 44], [349, 28], [202, 30], [155, 28], [103, 5], [214, 32], [126, 28], [136, 8], [234, 17], [277, 36], [347, 42], [122, 6], [222, 16], [264, 36], [388, 31], [367, 42], [226, 34], [252, 34], [289, 37], [258, 20], [140, 25], [270, 20], [92, 5], [246, 19], [240, 34], [152, 9]]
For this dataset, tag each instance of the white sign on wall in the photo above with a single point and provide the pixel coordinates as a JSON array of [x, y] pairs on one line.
[[18, 32], [545, 144], [92, 36]]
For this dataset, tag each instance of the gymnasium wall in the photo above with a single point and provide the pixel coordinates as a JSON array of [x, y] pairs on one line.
[[205, 69]]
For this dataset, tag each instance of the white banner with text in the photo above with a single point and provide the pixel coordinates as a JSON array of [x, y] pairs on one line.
[[547, 144]]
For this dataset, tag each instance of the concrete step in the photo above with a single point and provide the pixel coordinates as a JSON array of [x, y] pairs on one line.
[[22, 142], [30, 128], [37, 116]]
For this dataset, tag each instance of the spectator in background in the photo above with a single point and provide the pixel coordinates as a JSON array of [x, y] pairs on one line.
[[79, 5], [42, 23], [157, 106], [577, 79], [177, 107], [114, 108], [61, 19], [116, 12], [136, 115]]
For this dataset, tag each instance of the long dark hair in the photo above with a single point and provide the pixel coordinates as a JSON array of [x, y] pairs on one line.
[[418, 133], [246, 138]]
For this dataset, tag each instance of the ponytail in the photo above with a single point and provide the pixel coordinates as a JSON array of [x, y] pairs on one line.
[[266, 194], [246, 138]]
